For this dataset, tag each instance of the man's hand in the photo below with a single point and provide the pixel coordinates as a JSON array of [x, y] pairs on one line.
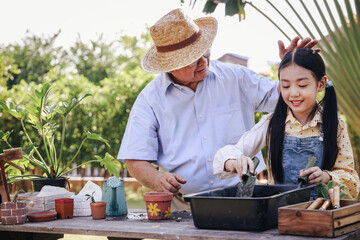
[[305, 43], [152, 178], [169, 182], [240, 166]]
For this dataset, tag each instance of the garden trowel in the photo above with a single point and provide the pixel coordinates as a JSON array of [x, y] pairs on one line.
[[245, 188], [311, 162]]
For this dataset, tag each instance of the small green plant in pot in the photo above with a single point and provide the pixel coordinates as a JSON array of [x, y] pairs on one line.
[[44, 118], [98, 209]]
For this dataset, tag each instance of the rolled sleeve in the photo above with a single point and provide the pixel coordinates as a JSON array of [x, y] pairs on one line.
[[225, 153], [249, 144]]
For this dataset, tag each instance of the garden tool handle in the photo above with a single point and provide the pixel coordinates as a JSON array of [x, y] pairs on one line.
[[336, 197], [248, 173], [331, 195], [325, 205], [315, 204], [311, 162]]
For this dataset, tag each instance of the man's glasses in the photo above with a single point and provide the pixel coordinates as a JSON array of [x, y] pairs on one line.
[[205, 55]]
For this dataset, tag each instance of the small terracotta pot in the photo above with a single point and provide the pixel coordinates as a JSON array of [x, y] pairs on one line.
[[158, 205], [64, 207], [98, 210]]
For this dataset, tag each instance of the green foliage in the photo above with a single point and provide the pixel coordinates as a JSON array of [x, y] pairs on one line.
[[108, 163], [232, 7], [95, 61], [323, 190], [43, 116], [90, 197], [100, 59], [32, 59], [7, 69], [17, 193], [114, 92], [336, 24]]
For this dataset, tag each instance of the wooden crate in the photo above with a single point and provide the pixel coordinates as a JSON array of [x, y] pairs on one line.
[[41, 203], [297, 220]]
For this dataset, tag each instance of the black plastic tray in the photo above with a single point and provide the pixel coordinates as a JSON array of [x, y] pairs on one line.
[[220, 209]]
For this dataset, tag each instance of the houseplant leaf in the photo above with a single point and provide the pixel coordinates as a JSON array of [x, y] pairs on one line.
[[4, 136], [97, 137], [13, 110], [111, 164], [66, 108]]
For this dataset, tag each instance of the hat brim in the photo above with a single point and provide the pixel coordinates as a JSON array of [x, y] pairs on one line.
[[159, 62]]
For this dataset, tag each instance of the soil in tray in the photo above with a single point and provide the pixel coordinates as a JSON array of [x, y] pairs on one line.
[[177, 216]]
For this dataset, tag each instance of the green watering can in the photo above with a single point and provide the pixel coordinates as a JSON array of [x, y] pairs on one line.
[[114, 194]]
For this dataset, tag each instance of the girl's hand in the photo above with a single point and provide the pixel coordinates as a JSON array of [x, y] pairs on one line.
[[316, 175], [240, 165]]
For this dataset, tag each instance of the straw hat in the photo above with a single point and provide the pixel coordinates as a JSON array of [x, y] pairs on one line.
[[179, 41]]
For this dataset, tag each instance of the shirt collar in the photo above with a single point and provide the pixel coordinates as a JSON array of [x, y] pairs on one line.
[[168, 82], [312, 123]]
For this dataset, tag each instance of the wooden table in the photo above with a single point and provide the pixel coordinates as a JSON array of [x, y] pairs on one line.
[[137, 226]]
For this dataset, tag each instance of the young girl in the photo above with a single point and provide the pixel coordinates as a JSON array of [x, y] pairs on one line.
[[299, 127]]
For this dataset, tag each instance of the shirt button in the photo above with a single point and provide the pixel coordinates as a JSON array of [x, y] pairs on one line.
[[209, 159], [205, 137], [200, 116], [212, 182]]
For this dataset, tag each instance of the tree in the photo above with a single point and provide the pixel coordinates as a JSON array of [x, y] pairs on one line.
[[101, 59], [114, 92], [34, 58]]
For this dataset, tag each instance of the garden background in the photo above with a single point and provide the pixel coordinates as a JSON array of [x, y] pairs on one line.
[[110, 71]]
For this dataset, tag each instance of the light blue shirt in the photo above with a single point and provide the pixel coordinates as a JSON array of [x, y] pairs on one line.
[[181, 130]]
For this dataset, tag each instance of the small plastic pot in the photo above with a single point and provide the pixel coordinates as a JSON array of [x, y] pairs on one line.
[[98, 210], [158, 205], [64, 207]]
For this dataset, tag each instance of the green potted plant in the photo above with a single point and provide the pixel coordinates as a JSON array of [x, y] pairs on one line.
[[98, 209], [43, 118]]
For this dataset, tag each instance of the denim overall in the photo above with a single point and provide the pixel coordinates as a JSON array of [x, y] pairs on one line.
[[295, 154]]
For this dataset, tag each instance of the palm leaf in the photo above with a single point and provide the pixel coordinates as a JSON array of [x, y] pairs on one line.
[[339, 42]]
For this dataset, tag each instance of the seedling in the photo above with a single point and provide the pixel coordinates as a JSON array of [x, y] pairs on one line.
[[17, 194], [90, 196]]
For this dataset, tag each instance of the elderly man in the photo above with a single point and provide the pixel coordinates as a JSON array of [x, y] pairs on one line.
[[193, 108]]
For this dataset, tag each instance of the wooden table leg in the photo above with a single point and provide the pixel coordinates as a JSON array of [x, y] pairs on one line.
[[29, 236]]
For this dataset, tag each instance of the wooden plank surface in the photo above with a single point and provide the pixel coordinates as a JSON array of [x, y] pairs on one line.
[[347, 229], [305, 222], [348, 207], [341, 222], [180, 226]]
